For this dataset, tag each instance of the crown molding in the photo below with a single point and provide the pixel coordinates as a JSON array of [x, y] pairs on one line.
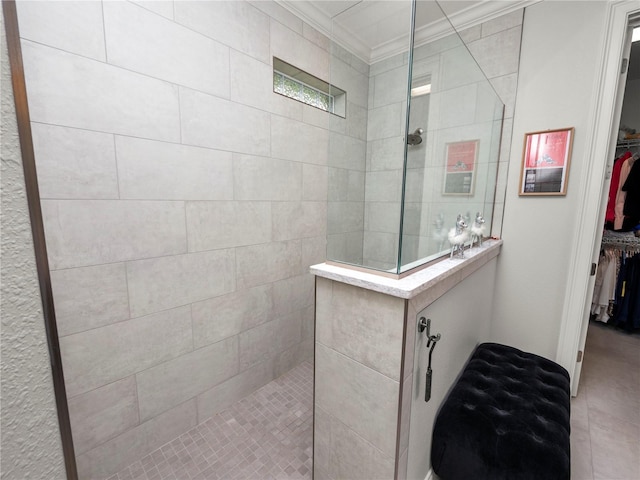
[[471, 16]]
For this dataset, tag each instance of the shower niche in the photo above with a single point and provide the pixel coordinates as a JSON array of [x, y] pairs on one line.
[[419, 144]]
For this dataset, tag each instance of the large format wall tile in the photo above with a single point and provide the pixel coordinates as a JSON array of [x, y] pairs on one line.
[[131, 446], [144, 42], [221, 317], [214, 225], [344, 390], [91, 232], [159, 283], [297, 50], [161, 7], [308, 144], [293, 293], [262, 178], [171, 383], [266, 340], [353, 457], [103, 413], [149, 169], [90, 297], [74, 26], [70, 90], [213, 122], [260, 264], [236, 24], [74, 163], [227, 393], [299, 220], [376, 313], [97, 357]]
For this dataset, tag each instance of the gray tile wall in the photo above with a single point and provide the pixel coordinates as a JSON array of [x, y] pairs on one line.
[[183, 202]]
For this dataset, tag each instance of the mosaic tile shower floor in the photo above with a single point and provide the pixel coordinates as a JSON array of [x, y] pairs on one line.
[[266, 435]]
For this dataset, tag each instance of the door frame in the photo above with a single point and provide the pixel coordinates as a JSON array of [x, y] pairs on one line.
[[601, 148]]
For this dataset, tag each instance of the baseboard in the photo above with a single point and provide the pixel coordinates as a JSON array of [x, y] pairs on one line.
[[430, 475]]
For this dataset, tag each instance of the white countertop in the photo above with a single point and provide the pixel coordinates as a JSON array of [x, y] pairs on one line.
[[416, 283]]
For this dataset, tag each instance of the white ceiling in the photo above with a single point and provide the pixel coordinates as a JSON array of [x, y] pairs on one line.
[[376, 29]]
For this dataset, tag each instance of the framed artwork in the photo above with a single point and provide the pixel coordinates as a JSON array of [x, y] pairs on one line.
[[460, 168], [545, 162]]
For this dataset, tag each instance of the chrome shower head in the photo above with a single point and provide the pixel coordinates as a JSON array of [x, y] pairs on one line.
[[415, 138]]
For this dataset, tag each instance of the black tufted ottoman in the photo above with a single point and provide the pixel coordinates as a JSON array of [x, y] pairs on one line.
[[507, 418]]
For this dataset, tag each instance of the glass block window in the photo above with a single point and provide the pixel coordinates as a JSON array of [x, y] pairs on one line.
[[299, 85]]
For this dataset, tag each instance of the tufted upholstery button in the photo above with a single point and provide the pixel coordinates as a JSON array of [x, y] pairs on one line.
[[507, 418]]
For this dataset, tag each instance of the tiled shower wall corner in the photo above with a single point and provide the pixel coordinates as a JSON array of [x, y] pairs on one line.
[[495, 45], [183, 202]]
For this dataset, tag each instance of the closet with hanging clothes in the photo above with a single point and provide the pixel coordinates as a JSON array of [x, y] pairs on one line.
[[616, 295]]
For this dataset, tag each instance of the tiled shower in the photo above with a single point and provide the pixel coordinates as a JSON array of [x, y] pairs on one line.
[[181, 213], [183, 201]]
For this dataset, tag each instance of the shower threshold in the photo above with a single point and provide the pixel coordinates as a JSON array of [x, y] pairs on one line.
[[266, 435]]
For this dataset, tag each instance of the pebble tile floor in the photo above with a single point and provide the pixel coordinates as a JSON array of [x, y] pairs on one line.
[[266, 435]]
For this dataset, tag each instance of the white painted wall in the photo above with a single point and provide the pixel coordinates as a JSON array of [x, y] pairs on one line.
[[462, 316], [556, 88], [30, 434]]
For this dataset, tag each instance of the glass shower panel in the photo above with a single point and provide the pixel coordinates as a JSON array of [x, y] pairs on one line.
[[455, 123], [366, 149]]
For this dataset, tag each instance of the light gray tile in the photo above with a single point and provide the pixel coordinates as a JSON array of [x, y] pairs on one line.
[[279, 13], [502, 23], [383, 217], [149, 169], [267, 340], [385, 154], [308, 326], [380, 247], [260, 264], [384, 122], [390, 87], [171, 383], [291, 140], [225, 394], [161, 7], [103, 413], [144, 42], [405, 413], [69, 90], [74, 26], [383, 186], [160, 283], [314, 183], [293, 356], [293, 220], [236, 24], [354, 309], [74, 163], [293, 293], [89, 297], [345, 247], [293, 48], [322, 439], [252, 84], [314, 251], [131, 446], [471, 34], [347, 152], [262, 178], [214, 225], [356, 123], [345, 217], [498, 54], [89, 232], [213, 122], [97, 357], [355, 458], [505, 87], [315, 36], [345, 77], [228, 315]]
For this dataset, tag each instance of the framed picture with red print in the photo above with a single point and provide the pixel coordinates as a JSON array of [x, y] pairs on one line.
[[460, 167], [545, 162]]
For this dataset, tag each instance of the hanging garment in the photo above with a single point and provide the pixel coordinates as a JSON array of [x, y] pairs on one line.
[[632, 199], [615, 186], [605, 286], [625, 168]]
